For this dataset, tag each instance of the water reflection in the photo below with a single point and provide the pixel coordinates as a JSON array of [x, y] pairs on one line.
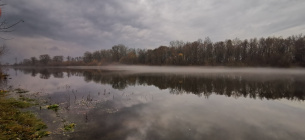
[[232, 85], [134, 106], [182, 122]]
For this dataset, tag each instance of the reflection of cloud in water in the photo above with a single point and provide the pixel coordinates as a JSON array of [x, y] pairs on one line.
[[299, 105], [196, 119]]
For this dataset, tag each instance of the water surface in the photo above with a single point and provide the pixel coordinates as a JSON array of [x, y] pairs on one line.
[[136, 103]]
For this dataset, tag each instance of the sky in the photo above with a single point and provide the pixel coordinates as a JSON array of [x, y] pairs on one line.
[[71, 27]]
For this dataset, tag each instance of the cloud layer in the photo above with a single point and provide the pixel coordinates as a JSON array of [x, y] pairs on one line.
[[67, 27]]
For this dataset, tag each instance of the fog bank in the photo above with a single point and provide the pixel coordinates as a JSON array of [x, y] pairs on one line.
[[196, 70]]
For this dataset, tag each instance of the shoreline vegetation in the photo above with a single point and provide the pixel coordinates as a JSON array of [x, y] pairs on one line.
[[263, 52], [15, 121], [19, 121]]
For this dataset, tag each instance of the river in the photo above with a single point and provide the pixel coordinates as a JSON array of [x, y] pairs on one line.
[[149, 102]]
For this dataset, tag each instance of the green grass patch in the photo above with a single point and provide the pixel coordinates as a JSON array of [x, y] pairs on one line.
[[22, 98], [17, 124], [54, 107], [13, 103], [69, 127], [3, 91]]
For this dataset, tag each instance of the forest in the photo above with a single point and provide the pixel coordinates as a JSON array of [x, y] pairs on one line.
[[263, 52]]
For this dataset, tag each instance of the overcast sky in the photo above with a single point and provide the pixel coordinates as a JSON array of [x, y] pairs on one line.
[[71, 27]]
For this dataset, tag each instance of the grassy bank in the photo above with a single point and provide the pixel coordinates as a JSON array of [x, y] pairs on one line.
[[15, 123]]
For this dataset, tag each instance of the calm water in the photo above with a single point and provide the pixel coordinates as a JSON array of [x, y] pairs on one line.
[[169, 102]]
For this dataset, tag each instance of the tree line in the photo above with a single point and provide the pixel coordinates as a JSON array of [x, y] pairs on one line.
[[270, 51]]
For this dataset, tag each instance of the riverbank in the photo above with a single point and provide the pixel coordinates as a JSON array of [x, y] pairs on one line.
[[15, 122]]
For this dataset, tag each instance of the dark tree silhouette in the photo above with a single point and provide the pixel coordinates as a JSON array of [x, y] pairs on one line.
[[271, 51], [44, 59]]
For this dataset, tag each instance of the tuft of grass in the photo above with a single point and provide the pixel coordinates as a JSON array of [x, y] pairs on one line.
[[54, 107], [11, 102], [43, 133], [3, 91], [69, 127], [22, 98], [16, 124]]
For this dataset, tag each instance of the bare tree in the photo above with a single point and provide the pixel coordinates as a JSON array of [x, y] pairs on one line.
[[44, 59], [5, 26]]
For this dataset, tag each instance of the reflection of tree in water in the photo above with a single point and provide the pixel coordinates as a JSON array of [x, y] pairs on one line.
[[58, 74], [117, 81], [231, 86], [236, 87], [44, 74], [34, 73]]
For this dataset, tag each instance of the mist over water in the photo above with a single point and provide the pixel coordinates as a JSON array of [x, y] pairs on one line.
[[196, 69], [150, 102]]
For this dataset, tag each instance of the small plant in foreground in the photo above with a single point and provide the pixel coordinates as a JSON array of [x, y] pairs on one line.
[[54, 107], [69, 127], [3, 91]]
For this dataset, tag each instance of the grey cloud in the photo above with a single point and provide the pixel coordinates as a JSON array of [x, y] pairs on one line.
[[83, 22], [55, 48], [99, 24]]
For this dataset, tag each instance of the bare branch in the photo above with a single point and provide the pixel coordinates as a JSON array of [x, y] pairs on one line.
[[3, 23], [6, 31], [10, 26]]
